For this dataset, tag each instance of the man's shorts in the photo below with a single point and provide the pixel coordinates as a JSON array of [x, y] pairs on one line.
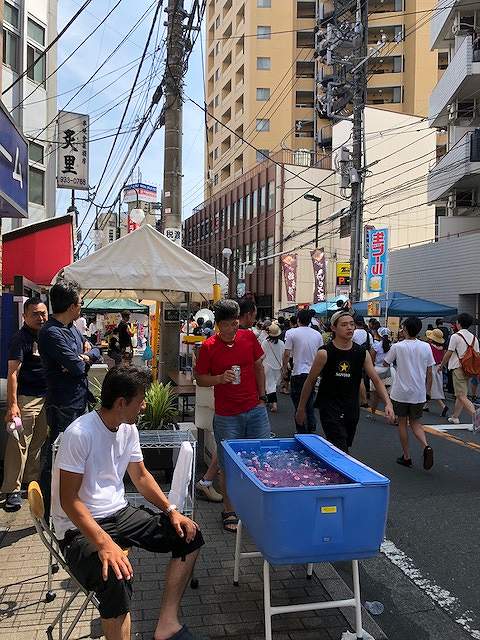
[[408, 410], [128, 527], [460, 382], [339, 424], [250, 425]]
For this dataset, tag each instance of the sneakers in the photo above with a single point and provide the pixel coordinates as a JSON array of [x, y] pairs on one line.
[[13, 501], [404, 462], [209, 492], [427, 458], [454, 420]]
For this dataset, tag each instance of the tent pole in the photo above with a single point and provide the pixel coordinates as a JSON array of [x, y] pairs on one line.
[[155, 329]]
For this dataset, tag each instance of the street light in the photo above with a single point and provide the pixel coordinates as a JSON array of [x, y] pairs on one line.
[[227, 254], [311, 198]]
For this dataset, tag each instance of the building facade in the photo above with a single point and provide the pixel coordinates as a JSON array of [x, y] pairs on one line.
[[28, 27], [262, 77], [454, 183]]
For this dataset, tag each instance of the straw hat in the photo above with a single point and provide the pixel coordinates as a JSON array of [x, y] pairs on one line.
[[274, 330], [436, 335]]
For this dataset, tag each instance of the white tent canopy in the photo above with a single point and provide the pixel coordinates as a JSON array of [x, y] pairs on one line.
[[144, 264]]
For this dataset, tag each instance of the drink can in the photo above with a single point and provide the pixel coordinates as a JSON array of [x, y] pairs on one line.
[[236, 370]]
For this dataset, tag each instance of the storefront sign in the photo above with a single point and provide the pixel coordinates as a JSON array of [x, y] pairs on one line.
[[13, 169], [72, 157], [141, 192], [289, 265], [377, 261], [320, 275], [343, 274], [174, 234]]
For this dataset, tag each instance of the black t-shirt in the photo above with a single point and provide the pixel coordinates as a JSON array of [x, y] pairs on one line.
[[31, 378], [341, 376], [124, 338]]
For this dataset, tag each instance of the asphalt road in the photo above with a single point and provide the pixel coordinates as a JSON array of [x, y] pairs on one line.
[[428, 578]]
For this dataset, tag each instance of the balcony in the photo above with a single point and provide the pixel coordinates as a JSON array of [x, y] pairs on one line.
[[458, 169], [461, 80], [442, 21]]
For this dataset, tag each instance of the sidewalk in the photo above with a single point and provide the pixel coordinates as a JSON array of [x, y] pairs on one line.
[[216, 610]]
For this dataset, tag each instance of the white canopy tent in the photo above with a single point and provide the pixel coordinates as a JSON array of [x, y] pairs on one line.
[[145, 265]]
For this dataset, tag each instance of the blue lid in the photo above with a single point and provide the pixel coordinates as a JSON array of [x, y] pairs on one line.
[[341, 461]]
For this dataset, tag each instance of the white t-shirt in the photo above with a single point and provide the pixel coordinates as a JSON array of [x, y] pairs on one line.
[[413, 358], [377, 346], [102, 457], [458, 345], [81, 325], [360, 336], [273, 353], [303, 344]]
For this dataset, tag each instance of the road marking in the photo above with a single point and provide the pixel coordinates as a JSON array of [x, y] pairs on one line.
[[442, 597]]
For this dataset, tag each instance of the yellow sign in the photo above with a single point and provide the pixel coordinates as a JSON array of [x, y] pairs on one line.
[[343, 274], [373, 308], [329, 509]]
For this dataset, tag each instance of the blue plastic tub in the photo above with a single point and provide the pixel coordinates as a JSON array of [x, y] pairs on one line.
[[309, 524]]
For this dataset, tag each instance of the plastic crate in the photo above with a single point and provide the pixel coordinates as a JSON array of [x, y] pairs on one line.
[[309, 524]]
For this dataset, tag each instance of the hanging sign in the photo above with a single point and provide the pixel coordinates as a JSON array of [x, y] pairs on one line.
[[320, 275], [289, 265], [72, 156], [377, 261]]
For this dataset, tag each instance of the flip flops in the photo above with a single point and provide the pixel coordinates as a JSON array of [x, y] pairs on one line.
[[229, 519]]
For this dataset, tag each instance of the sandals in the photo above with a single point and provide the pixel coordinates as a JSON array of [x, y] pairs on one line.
[[229, 519]]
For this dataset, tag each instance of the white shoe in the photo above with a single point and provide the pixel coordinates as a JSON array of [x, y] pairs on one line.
[[453, 420], [209, 492]]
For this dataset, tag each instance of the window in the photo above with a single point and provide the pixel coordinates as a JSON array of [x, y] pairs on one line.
[[270, 249], [216, 101], [264, 64], [263, 93], [264, 4], [35, 64], [241, 203], [228, 220], [305, 39], [263, 32], [36, 32], [304, 99], [271, 195], [215, 127], [306, 10], [248, 210], [254, 204], [217, 22], [215, 154], [215, 179], [263, 199], [442, 61], [304, 128], [263, 124], [305, 70], [35, 152], [253, 252], [217, 74], [262, 155], [10, 49], [217, 48], [10, 15], [36, 185]]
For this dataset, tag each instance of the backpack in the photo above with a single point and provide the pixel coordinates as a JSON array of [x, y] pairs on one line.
[[470, 360]]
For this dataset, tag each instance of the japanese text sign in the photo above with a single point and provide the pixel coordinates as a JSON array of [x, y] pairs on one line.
[[343, 274], [72, 157], [13, 169], [289, 265], [320, 275], [174, 234], [377, 261]]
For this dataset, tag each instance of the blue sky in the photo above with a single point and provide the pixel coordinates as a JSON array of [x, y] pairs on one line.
[[113, 88]]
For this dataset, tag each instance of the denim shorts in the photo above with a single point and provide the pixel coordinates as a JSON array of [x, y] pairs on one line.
[[253, 424]]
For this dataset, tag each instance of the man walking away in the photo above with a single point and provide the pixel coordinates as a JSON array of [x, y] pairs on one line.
[[94, 522], [302, 344], [125, 335], [231, 363], [66, 365], [413, 380], [445, 330], [456, 350], [26, 391], [341, 365], [248, 313]]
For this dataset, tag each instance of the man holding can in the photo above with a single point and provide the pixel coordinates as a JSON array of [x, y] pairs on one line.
[[231, 362]]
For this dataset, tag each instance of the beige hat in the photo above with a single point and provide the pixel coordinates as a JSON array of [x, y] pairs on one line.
[[339, 314], [274, 330], [435, 335]]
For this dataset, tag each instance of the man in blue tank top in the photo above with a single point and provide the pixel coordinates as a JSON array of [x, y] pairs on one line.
[[341, 363]]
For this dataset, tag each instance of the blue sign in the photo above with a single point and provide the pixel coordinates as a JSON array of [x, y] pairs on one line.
[[13, 169], [377, 270]]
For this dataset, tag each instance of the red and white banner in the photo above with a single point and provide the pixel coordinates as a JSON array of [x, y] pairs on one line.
[[289, 265], [320, 275]]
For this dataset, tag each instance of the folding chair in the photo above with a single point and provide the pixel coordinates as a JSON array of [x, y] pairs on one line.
[[35, 501]]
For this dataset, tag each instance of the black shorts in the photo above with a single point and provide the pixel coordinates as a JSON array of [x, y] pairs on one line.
[[339, 424], [408, 410], [128, 527]]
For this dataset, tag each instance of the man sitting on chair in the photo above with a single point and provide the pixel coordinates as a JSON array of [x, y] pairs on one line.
[[94, 522]]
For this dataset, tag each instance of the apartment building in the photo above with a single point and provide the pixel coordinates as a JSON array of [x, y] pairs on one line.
[[28, 27], [262, 73]]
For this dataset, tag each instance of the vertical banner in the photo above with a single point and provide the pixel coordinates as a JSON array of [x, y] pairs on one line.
[[289, 265], [319, 275], [72, 158], [377, 270]]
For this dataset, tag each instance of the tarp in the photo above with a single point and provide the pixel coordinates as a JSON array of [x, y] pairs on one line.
[[144, 264], [322, 308], [112, 305], [400, 305]]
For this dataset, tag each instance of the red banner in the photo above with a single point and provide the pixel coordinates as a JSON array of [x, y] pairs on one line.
[[320, 275], [131, 225], [289, 265]]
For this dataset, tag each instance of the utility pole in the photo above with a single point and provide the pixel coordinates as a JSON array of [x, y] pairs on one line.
[[357, 175]]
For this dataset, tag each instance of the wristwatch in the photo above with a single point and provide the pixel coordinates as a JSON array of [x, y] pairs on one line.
[[172, 507], [263, 398]]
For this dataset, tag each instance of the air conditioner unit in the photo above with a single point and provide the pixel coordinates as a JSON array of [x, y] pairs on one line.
[[464, 112]]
